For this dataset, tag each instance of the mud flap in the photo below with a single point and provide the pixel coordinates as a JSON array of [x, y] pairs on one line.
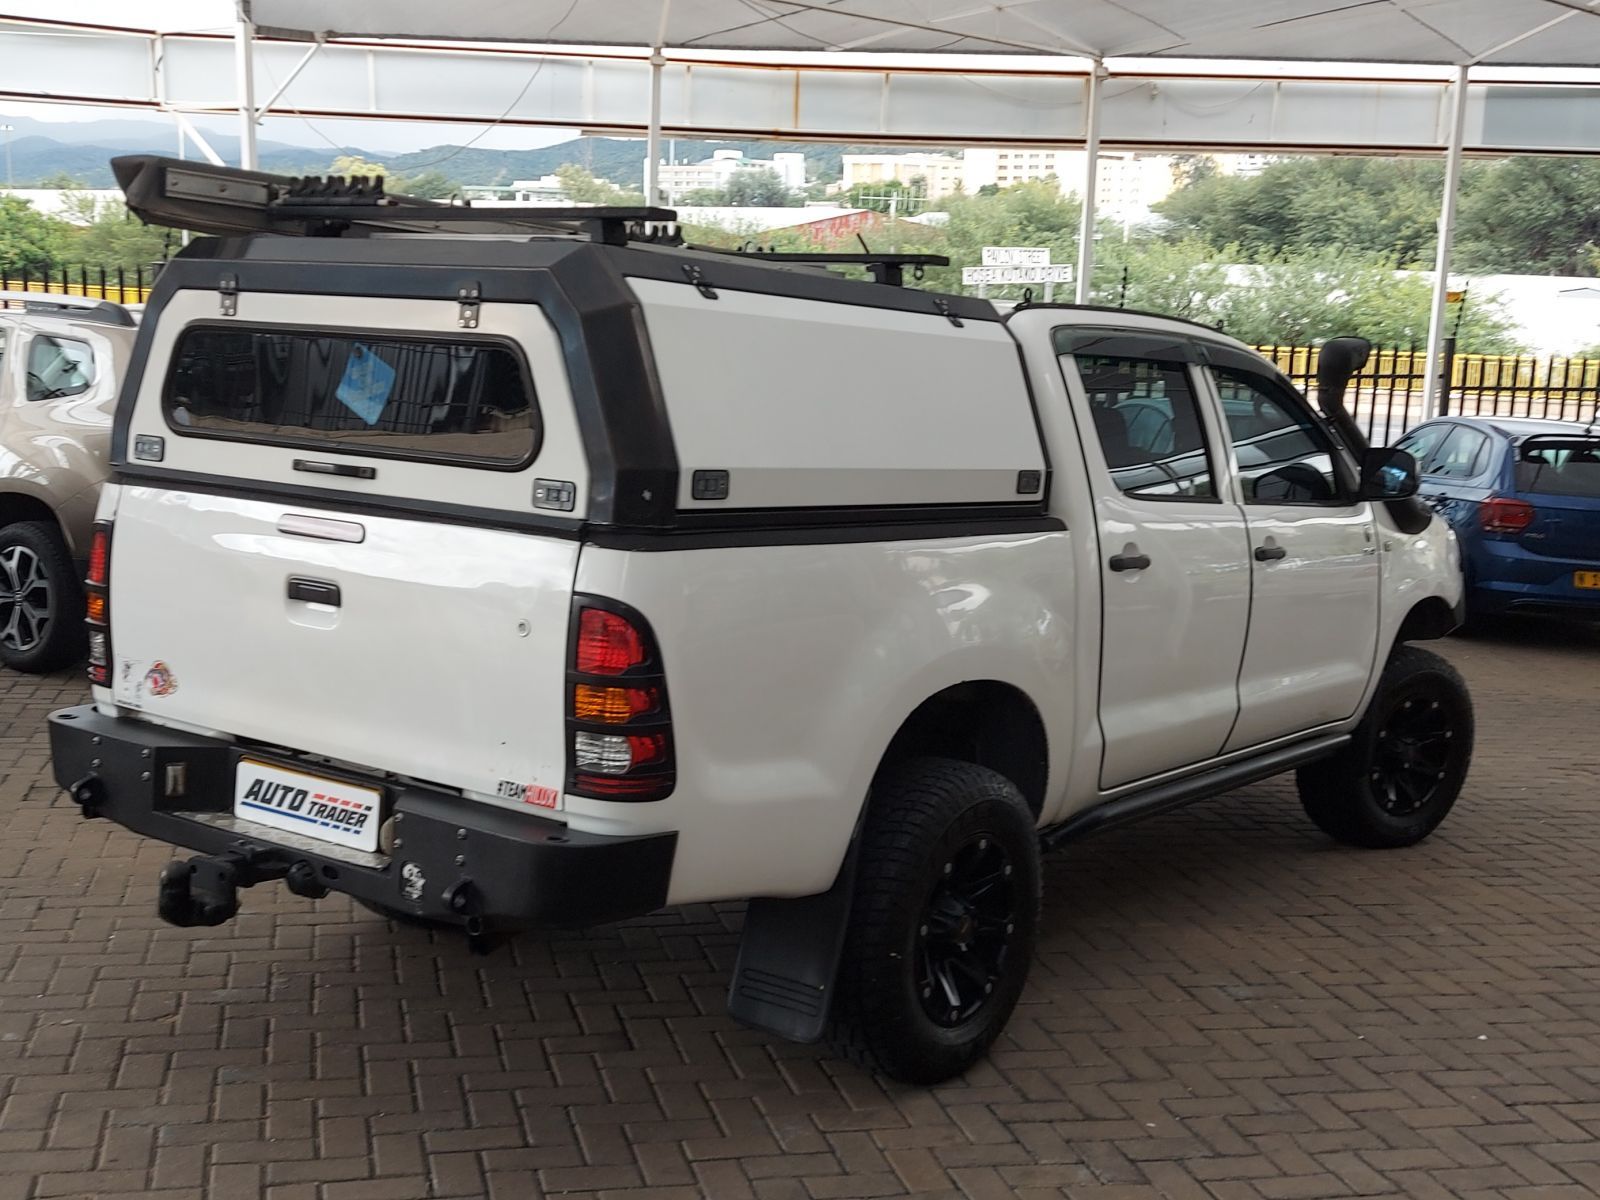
[[789, 958]]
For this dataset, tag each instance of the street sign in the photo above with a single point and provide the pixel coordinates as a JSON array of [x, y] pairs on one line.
[[983, 276], [1016, 256]]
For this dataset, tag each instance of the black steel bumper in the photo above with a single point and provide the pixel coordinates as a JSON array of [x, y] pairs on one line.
[[485, 868]]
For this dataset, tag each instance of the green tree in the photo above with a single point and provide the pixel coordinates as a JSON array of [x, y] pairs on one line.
[[1182, 279], [1531, 216], [117, 239], [704, 198], [884, 195], [759, 187], [427, 185], [30, 240], [583, 188], [353, 164]]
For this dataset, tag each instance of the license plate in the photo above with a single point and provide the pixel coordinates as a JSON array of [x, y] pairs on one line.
[[307, 804], [1586, 579]]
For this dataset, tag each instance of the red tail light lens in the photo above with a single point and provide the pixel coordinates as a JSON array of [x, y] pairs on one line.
[[99, 557], [619, 731], [97, 605], [1500, 515], [608, 644]]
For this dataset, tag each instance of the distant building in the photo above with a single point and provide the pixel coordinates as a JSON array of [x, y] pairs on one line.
[[1127, 184], [944, 174], [1245, 165], [759, 220], [547, 189], [678, 179]]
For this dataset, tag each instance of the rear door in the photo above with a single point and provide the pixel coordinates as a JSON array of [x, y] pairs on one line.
[[1313, 563], [331, 541], [1175, 583]]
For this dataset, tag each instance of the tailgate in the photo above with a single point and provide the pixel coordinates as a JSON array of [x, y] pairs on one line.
[[432, 650]]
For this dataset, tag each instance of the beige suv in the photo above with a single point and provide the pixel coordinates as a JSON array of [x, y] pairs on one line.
[[61, 359]]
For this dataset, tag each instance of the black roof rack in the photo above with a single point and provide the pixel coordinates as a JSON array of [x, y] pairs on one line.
[[82, 308], [228, 200], [886, 268]]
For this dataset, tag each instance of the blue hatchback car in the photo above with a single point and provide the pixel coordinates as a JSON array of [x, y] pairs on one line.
[[1524, 499]]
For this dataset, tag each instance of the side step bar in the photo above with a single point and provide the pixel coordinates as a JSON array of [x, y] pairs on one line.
[[1177, 792]]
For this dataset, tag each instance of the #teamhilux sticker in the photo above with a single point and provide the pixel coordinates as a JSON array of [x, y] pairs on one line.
[[528, 793]]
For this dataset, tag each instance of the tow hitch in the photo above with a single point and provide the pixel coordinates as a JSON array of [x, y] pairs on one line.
[[205, 890]]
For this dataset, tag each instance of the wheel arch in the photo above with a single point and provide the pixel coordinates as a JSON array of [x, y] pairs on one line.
[[1429, 618], [983, 721]]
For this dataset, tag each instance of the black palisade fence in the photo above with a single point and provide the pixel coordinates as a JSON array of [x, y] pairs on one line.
[[1386, 397], [124, 285]]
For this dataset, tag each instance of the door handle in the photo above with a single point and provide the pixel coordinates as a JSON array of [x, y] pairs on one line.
[[314, 591], [1270, 553], [1129, 562]]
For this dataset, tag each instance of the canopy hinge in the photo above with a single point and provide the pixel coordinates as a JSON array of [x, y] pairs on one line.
[[228, 295], [468, 296], [698, 278]]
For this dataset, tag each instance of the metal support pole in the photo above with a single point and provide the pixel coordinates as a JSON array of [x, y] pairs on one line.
[[245, 91], [1091, 174], [652, 143], [1447, 231]]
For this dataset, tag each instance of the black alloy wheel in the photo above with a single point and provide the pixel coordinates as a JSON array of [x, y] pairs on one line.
[[964, 937]]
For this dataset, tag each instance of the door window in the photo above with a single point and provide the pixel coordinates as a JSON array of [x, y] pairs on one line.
[[1463, 455], [1147, 419], [59, 367], [1284, 455], [1420, 443]]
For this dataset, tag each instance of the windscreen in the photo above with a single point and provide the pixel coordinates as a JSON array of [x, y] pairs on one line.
[[459, 399], [1568, 466]]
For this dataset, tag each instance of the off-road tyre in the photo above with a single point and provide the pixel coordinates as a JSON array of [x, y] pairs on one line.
[[947, 893], [1404, 767], [41, 600]]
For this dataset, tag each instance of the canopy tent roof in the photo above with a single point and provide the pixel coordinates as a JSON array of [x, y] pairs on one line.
[[1549, 33]]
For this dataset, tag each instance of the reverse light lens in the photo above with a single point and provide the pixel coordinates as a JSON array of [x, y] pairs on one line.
[[99, 649], [1499, 515], [606, 753], [612, 705], [607, 643], [99, 557]]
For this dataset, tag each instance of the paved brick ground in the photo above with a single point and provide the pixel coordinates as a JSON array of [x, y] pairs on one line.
[[1227, 1006]]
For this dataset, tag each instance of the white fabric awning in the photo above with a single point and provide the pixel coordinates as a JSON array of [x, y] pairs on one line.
[[1553, 33]]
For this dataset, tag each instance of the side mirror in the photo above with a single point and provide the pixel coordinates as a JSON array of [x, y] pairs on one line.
[[1388, 474]]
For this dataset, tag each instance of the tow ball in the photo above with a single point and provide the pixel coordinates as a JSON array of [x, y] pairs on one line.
[[205, 890]]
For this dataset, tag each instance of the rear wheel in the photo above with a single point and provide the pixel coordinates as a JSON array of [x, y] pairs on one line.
[[41, 600], [942, 928], [1402, 771]]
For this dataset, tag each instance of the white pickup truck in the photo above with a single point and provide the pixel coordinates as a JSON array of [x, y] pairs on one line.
[[517, 568]]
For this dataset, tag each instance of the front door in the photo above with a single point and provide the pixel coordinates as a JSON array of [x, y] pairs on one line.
[[1175, 577], [1313, 563]]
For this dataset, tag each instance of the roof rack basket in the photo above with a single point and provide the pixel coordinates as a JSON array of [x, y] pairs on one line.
[[227, 200]]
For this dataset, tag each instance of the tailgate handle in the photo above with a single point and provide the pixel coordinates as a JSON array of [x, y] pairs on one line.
[[313, 591]]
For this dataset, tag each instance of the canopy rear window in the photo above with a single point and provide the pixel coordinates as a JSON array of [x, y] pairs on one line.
[[459, 399], [1559, 466]]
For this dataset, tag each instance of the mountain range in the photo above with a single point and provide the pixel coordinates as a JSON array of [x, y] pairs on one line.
[[82, 150]]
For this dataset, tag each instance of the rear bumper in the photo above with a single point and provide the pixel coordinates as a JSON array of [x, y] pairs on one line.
[[456, 861], [1507, 578]]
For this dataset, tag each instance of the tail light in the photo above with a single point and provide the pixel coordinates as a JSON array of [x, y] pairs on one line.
[[1500, 515], [97, 604], [619, 727]]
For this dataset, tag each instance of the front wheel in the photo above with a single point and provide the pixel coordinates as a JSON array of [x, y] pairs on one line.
[[1405, 764], [943, 922]]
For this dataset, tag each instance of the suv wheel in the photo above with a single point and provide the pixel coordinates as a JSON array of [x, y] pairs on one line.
[[1402, 771], [41, 600], [942, 928]]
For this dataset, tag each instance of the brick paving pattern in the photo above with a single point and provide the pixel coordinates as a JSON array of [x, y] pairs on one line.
[[1226, 1007]]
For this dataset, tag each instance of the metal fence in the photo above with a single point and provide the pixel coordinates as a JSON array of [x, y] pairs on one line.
[[125, 286], [1386, 397]]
